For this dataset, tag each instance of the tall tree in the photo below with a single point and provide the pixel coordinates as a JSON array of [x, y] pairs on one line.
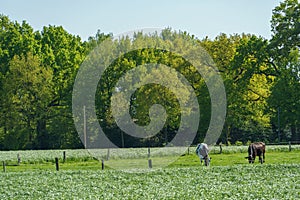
[[63, 54], [242, 62], [150, 94], [27, 90], [15, 40], [284, 50]]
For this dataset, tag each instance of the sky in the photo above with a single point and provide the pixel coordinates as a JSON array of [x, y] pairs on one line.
[[198, 17]]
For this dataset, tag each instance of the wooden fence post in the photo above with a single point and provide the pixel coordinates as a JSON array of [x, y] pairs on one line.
[[19, 159], [64, 156], [108, 152], [102, 164], [4, 166], [150, 163], [149, 152], [290, 146], [56, 164]]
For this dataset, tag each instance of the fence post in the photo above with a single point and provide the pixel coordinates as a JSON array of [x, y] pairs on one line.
[[19, 159], [290, 146], [149, 152], [64, 156], [102, 164], [107, 156], [150, 163], [4, 166], [56, 164]]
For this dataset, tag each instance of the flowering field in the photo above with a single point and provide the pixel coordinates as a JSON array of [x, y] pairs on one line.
[[39, 156], [221, 182], [80, 176]]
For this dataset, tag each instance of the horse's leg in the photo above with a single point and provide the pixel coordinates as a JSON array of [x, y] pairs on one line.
[[206, 161], [261, 156], [260, 159], [253, 153], [264, 156]]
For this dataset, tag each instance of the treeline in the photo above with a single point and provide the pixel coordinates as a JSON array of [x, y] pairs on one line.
[[38, 70]]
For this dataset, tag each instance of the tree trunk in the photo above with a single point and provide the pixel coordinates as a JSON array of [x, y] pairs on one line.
[[227, 135], [42, 135], [295, 133]]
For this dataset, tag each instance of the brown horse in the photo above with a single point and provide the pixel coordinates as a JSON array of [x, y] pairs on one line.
[[256, 149]]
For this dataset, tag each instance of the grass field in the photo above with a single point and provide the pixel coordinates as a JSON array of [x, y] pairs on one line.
[[80, 177], [268, 181]]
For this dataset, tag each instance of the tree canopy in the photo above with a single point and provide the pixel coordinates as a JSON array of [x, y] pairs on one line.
[[38, 70]]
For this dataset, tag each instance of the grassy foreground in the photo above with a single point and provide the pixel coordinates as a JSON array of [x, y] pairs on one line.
[[228, 177], [270, 181]]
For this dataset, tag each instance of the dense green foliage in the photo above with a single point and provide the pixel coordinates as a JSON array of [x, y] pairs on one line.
[[38, 69]]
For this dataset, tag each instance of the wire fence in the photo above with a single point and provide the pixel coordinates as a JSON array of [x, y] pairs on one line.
[[39, 156]]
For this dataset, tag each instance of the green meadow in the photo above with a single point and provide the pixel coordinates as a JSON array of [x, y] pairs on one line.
[[228, 177]]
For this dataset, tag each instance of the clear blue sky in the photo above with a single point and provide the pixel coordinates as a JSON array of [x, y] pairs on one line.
[[199, 17]]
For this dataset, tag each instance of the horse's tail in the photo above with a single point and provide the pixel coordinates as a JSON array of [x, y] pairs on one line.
[[198, 149]]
